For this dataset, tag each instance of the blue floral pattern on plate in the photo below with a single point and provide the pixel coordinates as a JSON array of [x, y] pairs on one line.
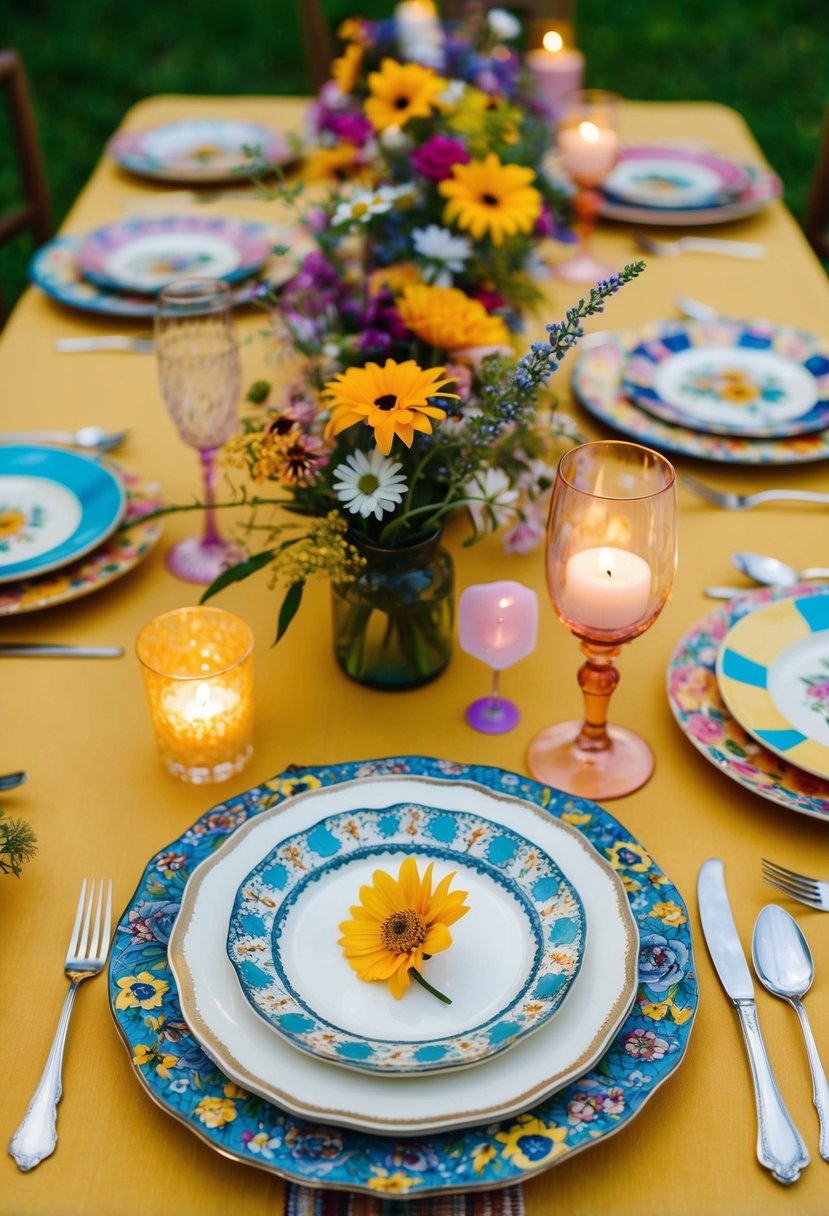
[[552, 913], [646, 1050]]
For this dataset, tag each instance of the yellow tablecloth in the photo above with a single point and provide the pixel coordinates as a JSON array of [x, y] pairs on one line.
[[101, 804]]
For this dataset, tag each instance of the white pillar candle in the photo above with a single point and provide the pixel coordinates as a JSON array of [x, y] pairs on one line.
[[556, 70], [605, 588], [588, 152]]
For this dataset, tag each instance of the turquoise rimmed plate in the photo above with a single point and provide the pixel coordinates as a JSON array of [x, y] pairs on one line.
[[512, 962], [55, 506]]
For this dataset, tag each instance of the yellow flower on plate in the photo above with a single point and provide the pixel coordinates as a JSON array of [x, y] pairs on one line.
[[669, 912], [142, 990], [11, 522], [448, 318], [397, 922], [346, 69], [215, 1112], [400, 91], [392, 1184], [393, 400], [529, 1143], [488, 198]]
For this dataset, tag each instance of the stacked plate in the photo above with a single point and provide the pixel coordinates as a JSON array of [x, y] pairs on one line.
[[59, 512], [201, 150], [749, 686], [119, 269], [543, 1049], [675, 185], [746, 392]]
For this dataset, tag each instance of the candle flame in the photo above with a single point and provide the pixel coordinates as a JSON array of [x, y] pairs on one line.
[[589, 132], [506, 601], [552, 41], [202, 699]]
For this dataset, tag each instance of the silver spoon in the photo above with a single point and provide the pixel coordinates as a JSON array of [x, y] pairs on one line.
[[773, 572], [93, 437], [783, 962]]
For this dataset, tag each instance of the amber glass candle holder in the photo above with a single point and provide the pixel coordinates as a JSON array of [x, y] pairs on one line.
[[588, 146], [611, 555], [197, 667]]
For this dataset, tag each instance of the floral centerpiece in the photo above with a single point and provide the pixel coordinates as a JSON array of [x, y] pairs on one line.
[[401, 399]]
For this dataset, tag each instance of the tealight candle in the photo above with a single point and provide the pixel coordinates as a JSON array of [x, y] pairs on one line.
[[498, 624], [557, 70], [588, 152], [605, 588], [197, 668]]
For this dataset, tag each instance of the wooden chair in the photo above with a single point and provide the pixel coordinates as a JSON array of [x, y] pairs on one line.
[[36, 212], [816, 215], [319, 48]]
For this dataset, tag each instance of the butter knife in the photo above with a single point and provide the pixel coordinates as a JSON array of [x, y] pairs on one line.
[[780, 1147], [30, 650]]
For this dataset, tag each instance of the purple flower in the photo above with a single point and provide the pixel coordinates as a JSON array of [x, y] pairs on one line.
[[435, 158], [152, 921], [353, 128], [374, 342]]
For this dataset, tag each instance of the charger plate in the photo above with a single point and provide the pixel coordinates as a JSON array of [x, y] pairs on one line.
[[645, 1050], [145, 253], [55, 506], [704, 718], [597, 384], [743, 378], [124, 549], [513, 959], [763, 187], [200, 150], [773, 673], [657, 175]]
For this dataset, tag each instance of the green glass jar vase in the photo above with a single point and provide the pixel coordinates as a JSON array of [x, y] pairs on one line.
[[393, 624]]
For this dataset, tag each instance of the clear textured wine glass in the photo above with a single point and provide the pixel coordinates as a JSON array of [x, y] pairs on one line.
[[611, 554], [588, 146], [200, 377]]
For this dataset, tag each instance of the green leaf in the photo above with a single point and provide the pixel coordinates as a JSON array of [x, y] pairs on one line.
[[235, 574], [290, 604]]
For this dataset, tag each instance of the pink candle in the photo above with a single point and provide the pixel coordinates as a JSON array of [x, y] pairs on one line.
[[556, 69], [588, 152], [605, 588], [498, 622]]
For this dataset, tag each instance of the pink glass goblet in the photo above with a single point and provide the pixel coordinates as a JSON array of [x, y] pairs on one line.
[[611, 554], [498, 624], [200, 378], [588, 145]]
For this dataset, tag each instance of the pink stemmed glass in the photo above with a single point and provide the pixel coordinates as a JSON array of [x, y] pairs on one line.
[[498, 624], [610, 558], [200, 378], [588, 146]]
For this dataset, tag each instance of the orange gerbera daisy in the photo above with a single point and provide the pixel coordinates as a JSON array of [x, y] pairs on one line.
[[399, 921], [393, 400], [446, 317], [488, 198], [346, 69], [333, 164], [400, 91]]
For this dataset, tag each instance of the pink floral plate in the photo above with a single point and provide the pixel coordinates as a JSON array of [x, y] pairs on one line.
[[124, 550], [762, 188], [201, 150], [701, 713]]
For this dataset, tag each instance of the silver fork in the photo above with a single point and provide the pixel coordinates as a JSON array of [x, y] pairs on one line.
[[699, 244], [810, 891], [37, 1135], [744, 502], [139, 346]]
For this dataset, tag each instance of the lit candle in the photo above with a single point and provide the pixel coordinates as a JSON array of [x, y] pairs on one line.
[[588, 152], [498, 622], [605, 588], [556, 69], [197, 668]]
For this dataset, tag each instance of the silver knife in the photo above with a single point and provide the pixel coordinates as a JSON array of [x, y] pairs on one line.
[[780, 1146], [29, 650]]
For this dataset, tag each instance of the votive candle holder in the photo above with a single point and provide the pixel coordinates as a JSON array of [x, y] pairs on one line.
[[197, 668]]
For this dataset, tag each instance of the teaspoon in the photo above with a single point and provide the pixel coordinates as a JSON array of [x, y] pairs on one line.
[[773, 572], [783, 962]]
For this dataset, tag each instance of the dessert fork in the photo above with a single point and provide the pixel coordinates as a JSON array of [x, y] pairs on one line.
[[37, 1136], [743, 502], [810, 891], [699, 244]]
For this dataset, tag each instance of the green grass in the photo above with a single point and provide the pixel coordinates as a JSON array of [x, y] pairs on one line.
[[90, 60]]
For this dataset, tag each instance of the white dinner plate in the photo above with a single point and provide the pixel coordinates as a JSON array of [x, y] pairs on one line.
[[247, 1050]]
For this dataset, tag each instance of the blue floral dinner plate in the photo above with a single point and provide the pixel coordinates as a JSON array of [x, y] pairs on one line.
[[55, 506], [644, 1050], [513, 959]]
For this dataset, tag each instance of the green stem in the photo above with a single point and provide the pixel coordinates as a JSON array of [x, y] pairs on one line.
[[415, 974], [200, 506]]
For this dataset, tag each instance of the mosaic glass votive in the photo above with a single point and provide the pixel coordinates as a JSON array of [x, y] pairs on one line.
[[197, 667]]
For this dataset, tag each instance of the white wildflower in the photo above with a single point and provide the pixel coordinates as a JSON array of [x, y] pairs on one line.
[[362, 205], [503, 23], [442, 247], [452, 94], [369, 485], [496, 497]]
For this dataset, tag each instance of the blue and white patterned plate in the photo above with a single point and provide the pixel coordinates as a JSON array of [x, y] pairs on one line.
[[55, 506], [201, 150], [599, 1099], [283, 938]]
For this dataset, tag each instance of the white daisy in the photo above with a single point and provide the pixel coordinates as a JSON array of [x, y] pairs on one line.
[[452, 94], [496, 495], [369, 485], [503, 24], [448, 251], [362, 205]]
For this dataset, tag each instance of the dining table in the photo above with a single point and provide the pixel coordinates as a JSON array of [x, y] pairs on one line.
[[101, 803]]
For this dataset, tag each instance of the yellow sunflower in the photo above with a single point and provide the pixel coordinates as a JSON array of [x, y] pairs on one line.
[[395, 277], [400, 91], [333, 164], [346, 69], [398, 922], [393, 400], [488, 198], [446, 317]]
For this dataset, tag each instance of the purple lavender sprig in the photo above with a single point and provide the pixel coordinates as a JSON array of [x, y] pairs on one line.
[[536, 367]]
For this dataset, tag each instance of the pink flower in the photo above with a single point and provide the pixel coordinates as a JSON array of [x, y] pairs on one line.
[[435, 158], [644, 1045], [707, 730], [525, 535]]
